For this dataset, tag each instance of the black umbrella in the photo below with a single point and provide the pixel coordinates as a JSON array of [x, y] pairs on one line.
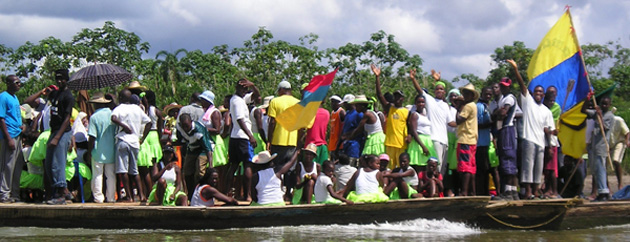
[[98, 76]]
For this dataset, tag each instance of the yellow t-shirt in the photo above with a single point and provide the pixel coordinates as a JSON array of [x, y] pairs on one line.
[[396, 130], [281, 136], [467, 131]]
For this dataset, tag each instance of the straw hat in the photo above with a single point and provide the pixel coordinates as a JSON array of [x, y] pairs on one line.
[[263, 157], [223, 109], [311, 148], [360, 99], [266, 102], [99, 97], [136, 85], [170, 107], [470, 88]]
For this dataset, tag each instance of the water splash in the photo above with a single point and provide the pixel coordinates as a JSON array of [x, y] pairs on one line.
[[418, 228]]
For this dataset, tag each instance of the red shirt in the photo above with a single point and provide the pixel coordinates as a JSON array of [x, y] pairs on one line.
[[317, 133]]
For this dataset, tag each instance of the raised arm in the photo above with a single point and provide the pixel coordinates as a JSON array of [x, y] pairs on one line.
[[379, 93], [412, 76], [288, 165], [518, 77]]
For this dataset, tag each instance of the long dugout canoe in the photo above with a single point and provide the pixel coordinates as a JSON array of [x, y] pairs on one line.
[[115, 216]]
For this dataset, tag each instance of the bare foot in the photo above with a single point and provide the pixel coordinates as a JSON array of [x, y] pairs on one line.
[[592, 197]]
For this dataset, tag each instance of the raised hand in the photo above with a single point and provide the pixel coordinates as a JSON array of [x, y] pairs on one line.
[[376, 70], [436, 75], [412, 73], [512, 63]]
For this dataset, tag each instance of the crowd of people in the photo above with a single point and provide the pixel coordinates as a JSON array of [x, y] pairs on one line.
[[463, 142]]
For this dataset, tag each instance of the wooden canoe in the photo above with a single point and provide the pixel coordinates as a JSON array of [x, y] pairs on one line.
[[116, 216], [526, 214], [594, 214]]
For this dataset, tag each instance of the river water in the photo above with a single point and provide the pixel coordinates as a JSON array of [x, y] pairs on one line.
[[414, 230]]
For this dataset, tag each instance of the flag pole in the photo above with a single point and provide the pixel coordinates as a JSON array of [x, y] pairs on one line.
[[588, 80]]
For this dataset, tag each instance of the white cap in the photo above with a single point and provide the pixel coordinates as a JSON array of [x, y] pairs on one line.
[[284, 85], [335, 97], [348, 98], [208, 96]]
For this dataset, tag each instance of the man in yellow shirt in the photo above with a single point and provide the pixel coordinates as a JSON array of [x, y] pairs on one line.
[[396, 130], [467, 134], [282, 141]]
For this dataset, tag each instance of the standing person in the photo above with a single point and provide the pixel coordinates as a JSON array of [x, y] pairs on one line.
[[537, 122], [101, 149], [130, 119], [507, 145], [150, 149], [242, 141], [396, 125], [482, 156], [421, 146], [212, 121], [369, 125], [317, 134], [60, 140], [337, 117], [11, 157], [619, 141], [467, 136], [256, 118], [440, 116], [282, 141], [550, 170], [597, 148], [351, 147], [194, 109], [199, 151]]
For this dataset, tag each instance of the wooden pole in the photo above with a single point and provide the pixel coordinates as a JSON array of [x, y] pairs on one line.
[[599, 115]]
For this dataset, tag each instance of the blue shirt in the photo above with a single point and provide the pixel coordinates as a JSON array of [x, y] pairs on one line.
[[11, 113], [104, 133], [352, 148], [483, 117]]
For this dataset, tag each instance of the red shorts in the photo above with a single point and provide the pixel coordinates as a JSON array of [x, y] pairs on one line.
[[466, 158], [551, 159]]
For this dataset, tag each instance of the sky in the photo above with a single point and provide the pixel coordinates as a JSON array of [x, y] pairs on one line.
[[454, 37]]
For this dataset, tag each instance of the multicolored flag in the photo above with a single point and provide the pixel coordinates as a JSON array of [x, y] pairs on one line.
[[557, 60], [302, 114]]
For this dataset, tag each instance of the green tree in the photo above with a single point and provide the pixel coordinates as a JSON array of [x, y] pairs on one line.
[[169, 67], [109, 45]]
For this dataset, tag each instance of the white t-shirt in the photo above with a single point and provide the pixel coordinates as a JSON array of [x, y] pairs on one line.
[[321, 188], [452, 114], [438, 113], [535, 118], [343, 174], [509, 100], [239, 110], [132, 116]]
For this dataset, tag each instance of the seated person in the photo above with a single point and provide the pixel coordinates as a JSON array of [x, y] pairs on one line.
[[267, 183], [343, 172], [384, 167], [430, 180], [205, 191], [403, 181], [324, 192], [366, 184], [168, 188], [306, 175]]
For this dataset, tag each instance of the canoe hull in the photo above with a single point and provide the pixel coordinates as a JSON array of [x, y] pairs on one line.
[[149, 217]]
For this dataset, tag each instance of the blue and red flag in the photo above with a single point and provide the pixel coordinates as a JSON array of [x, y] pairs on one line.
[[302, 114]]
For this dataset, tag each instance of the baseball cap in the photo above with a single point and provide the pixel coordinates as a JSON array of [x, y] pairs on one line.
[[348, 98], [335, 97], [506, 82], [284, 85]]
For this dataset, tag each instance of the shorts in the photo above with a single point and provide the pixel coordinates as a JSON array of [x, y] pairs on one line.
[[532, 166], [126, 158], [284, 155], [551, 159], [506, 150], [240, 151], [618, 151], [322, 154], [466, 161]]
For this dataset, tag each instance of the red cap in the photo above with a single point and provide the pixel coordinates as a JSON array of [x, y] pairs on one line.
[[506, 82]]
